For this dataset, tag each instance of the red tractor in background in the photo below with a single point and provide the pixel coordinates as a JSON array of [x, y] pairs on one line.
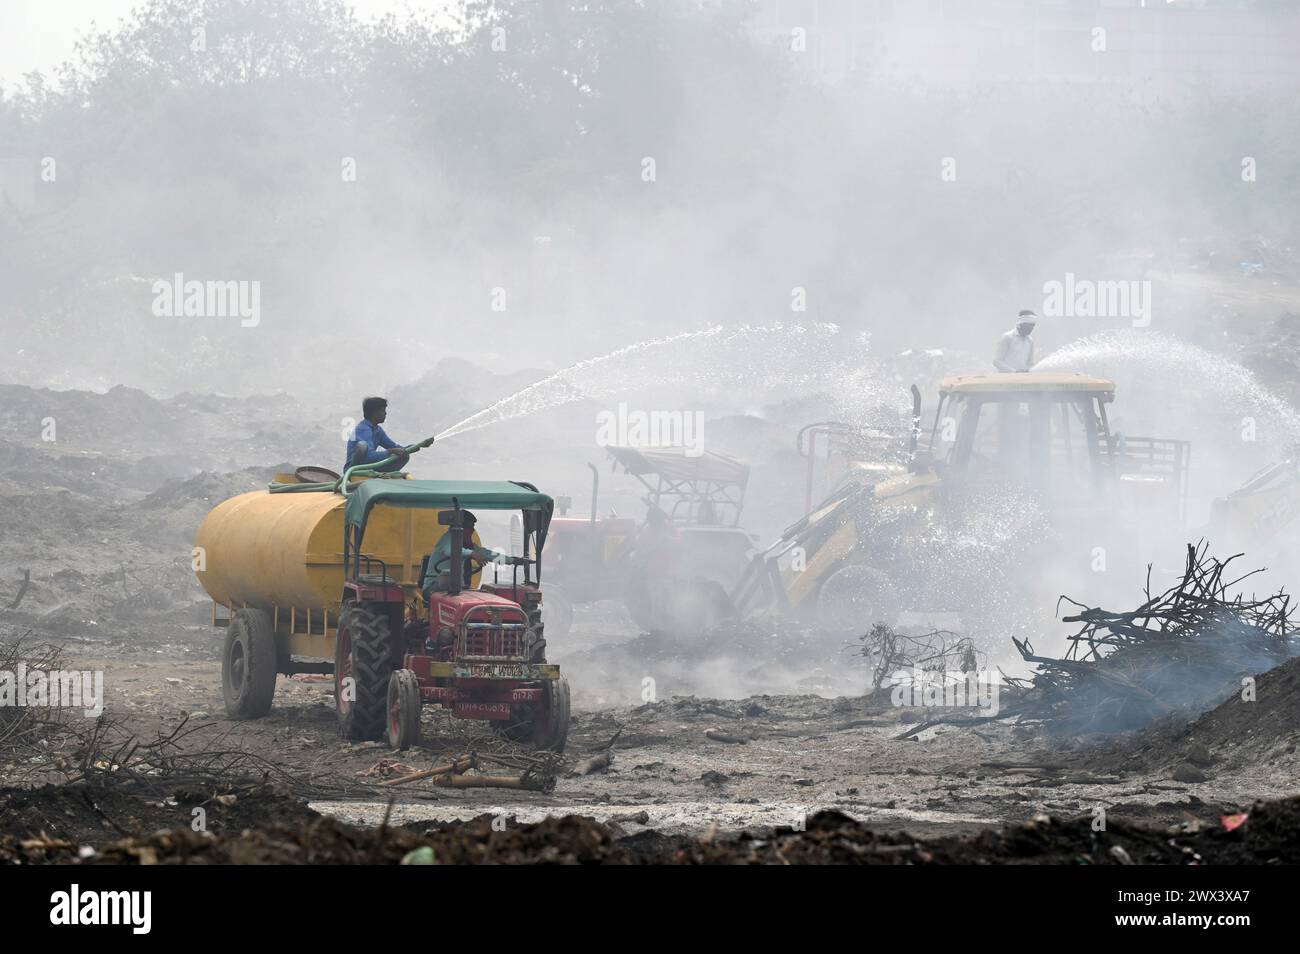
[[674, 569]]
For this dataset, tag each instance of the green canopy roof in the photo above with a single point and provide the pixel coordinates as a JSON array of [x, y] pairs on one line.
[[438, 495]]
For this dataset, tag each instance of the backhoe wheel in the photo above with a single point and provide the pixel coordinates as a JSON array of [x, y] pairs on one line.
[[248, 665], [362, 664], [854, 598], [403, 710]]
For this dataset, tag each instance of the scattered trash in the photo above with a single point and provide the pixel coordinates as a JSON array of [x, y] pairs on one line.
[[536, 773], [597, 763], [726, 737], [633, 818], [387, 768]]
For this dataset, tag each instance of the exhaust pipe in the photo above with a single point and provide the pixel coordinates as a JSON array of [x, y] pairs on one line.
[[916, 422], [457, 531]]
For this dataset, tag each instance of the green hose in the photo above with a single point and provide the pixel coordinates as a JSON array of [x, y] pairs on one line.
[[300, 488], [352, 473]]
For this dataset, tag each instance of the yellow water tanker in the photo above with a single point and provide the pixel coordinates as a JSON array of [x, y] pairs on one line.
[[273, 563], [283, 553]]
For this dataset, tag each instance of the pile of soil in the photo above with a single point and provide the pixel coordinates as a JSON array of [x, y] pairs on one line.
[[275, 830], [1268, 836], [1260, 725], [82, 815], [1235, 732]]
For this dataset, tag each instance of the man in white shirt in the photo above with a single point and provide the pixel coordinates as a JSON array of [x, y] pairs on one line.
[[1016, 347]]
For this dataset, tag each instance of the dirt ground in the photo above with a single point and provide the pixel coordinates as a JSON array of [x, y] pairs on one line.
[[693, 779]]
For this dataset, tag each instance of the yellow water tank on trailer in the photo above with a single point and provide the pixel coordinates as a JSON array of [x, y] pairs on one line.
[[285, 550]]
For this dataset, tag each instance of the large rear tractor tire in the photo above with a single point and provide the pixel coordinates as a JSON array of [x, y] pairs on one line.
[[403, 729], [683, 606], [855, 598], [363, 662], [248, 667]]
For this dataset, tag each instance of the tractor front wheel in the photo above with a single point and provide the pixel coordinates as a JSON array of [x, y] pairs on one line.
[[363, 662], [551, 718], [543, 725], [403, 710], [248, 665]]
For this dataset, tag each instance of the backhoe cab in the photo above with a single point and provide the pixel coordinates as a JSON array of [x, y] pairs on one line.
[[871, 547], [1049, 433]]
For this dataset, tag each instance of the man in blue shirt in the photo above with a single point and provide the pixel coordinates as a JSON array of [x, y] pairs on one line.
[[369, 444]]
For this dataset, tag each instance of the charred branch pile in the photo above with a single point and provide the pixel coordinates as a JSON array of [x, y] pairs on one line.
[[25, 730], [1180, 650]]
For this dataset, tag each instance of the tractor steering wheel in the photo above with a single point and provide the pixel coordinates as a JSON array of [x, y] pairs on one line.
[[475, 564]]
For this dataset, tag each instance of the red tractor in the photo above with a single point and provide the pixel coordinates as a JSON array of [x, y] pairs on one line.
[[674, 569], [479, 652]]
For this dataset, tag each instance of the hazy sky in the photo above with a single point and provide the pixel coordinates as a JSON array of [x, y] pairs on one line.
[[39, 34]]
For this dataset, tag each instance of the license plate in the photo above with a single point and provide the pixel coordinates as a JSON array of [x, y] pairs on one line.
[[494, 671]]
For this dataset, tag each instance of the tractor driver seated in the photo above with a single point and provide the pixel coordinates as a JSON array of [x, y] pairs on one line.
[[437, 573]]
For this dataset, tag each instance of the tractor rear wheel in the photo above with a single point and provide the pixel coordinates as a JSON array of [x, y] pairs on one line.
[[248, 665], [363, 662], [403, 710], [682, 606]]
